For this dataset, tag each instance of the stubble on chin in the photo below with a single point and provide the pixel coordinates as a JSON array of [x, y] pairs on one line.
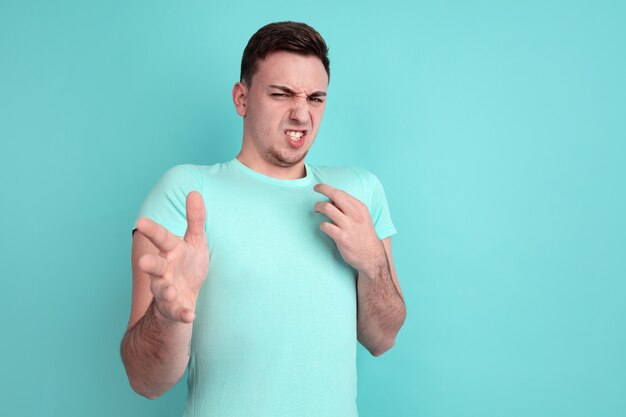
[[284, 159]]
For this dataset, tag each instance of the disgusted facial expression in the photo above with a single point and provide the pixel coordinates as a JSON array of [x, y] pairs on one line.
[[282, 110]]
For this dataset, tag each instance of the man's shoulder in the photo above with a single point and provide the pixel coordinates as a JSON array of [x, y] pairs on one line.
[[338, 170], [354, 180], [197, 172], [344, 174], [195, 169]]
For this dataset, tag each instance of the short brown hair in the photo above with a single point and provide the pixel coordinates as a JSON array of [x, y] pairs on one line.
[[298, 38]]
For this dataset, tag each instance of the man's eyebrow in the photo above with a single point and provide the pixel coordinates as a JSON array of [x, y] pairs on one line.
[[290, 91], [282, 88]]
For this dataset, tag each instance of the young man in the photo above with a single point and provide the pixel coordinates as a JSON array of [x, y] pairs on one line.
[[276, 267]]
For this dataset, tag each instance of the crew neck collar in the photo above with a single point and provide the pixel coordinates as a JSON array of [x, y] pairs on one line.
[[298, 182]]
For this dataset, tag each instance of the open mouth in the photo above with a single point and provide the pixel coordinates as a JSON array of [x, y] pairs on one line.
[[295, 137]]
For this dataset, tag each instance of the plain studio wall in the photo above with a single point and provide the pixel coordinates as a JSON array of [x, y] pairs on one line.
[[497, 128]]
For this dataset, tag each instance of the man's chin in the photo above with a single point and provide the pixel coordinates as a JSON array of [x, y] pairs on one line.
[[285, 159]]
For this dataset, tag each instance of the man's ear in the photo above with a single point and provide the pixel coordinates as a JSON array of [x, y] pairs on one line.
[[240, 98]]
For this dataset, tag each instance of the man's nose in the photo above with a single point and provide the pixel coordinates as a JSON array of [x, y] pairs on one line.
[[300, 111]]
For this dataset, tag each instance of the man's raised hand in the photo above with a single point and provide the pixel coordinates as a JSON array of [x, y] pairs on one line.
[[181, 266], [351, 228]]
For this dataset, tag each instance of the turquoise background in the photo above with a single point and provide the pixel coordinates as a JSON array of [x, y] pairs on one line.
[[497, 128]]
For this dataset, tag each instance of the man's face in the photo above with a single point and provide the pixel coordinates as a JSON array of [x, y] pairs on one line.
[[282, 108]]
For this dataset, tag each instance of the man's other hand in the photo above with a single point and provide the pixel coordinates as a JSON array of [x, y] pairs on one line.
[[351, 228], [181, 266]]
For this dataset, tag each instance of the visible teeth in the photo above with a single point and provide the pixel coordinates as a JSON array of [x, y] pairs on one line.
[[295, 135]]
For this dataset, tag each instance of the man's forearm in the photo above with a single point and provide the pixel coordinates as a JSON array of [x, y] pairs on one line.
[[381, 311], [155, 352]]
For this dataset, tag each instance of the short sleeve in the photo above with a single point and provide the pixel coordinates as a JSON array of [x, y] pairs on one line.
[[166, 202], [376, 200]]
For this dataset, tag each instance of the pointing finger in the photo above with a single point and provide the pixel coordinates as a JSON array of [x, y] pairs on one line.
[[338, 197], [328, 190]]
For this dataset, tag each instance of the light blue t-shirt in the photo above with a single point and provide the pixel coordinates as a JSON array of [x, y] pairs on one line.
[[275, 327]]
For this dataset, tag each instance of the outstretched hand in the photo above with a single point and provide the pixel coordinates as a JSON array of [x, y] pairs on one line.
[[181, 266]]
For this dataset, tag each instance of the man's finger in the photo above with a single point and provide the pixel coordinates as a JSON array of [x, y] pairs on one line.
[[339, 198], [196, 215], [157, 234], [333, 231], [162, 290], [331, 211], [186, 315], [153, 264]]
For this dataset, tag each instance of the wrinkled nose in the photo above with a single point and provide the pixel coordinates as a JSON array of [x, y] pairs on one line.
[[299, 112]]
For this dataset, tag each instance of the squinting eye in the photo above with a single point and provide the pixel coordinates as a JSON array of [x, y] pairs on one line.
[[279, 95], [316, 99]]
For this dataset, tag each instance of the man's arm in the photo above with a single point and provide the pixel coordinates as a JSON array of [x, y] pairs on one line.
[[167, 275], [381, 309]]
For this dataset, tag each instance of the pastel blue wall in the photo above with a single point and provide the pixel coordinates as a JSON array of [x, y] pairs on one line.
[[497, 128]]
